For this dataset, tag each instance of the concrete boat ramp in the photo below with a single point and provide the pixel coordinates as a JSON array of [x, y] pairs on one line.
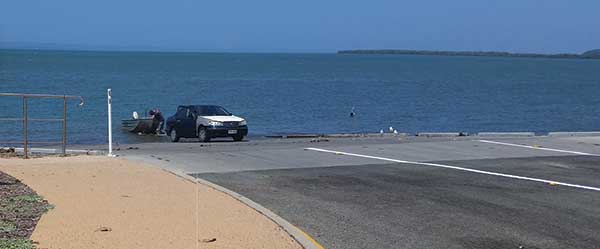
[[486, 191]]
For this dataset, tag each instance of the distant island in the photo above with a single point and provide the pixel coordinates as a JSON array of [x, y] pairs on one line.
[[592, 54]]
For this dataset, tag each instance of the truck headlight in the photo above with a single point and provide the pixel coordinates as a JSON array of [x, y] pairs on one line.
[[243, 122], [215, 123]]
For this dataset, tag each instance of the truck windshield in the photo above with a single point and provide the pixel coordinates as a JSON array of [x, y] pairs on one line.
[[211, 111]]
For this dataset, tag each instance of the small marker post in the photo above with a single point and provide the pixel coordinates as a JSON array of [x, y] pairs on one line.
[[109, 102]]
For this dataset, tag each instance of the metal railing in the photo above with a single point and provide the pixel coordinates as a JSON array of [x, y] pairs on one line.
[[26, 119]]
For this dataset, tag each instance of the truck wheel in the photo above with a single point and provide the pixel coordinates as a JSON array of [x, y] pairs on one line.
[[203, 135], [173, 135], [238, 138]]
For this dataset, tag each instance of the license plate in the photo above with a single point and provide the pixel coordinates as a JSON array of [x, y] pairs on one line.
[[232, 132]]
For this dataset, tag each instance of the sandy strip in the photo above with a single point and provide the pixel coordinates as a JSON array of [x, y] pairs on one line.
[[144, 207]]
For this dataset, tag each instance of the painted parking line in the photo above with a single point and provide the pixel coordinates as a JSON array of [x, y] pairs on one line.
[[460, 168], [538, 148]]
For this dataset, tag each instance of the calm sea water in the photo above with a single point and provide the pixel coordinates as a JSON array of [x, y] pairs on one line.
[[305, 93]]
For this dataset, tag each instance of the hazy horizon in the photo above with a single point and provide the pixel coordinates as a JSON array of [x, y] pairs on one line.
[[86, 48], [529, 26]]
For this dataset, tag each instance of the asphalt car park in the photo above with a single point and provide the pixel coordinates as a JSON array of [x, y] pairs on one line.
[[536, 192]]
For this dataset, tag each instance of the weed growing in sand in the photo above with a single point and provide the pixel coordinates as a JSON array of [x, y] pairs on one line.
[[29, 198], [6, 227], [16, 244], [24, 204]]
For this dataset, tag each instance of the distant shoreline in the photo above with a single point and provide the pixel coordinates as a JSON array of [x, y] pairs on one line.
[[592, 54]]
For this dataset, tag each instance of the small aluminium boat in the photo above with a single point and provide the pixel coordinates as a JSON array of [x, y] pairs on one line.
[[145, 125]]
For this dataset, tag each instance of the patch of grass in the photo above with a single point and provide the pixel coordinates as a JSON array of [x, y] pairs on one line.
[[7, 227], [16, 244], [14, 207], [23, 204], [7, 206], [49, 207], [20, 209], [28, 198]]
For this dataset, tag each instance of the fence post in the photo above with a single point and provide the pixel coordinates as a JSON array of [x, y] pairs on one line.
[[64, 135], [25, 145], [109, 102]]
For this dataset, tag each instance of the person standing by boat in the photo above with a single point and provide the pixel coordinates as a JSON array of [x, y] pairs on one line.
[[157, 116]]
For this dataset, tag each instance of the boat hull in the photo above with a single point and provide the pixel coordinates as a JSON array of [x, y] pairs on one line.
[[141, 125]]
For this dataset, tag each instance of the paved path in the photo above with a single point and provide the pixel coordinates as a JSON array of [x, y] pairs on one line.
[[356, 194]]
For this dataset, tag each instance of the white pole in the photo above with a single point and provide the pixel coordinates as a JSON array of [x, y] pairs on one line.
[[109, 100]]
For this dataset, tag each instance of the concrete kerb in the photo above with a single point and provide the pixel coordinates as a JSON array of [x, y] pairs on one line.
[[506, 134], [440, 134], [359, 135], [574, 134], [58, 151], [339, 135], [300, 236]]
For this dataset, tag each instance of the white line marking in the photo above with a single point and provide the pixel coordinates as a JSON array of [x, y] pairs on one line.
[[538, 148], [460, 168]]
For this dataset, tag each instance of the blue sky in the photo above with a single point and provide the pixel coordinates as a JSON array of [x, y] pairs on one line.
[[547, 26]]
